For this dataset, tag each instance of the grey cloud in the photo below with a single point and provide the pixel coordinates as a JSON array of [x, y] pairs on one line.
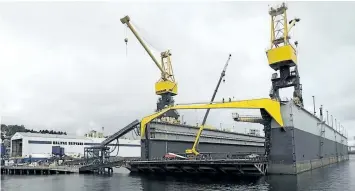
[[66, 65]]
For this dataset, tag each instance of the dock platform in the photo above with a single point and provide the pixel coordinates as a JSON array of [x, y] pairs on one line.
[[241, 166], [105, 166], [38, 170]]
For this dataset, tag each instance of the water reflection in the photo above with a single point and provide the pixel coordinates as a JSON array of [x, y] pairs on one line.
[[155, 182], [337, 177], [334, 177]]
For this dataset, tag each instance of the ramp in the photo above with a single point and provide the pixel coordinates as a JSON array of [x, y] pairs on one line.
[[97, 158], [120, 133]]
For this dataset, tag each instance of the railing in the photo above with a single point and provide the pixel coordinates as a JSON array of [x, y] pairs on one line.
[[211, 157]]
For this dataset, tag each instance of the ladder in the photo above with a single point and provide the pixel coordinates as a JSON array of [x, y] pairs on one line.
[[336, 144], [322, 132], [321, 137]]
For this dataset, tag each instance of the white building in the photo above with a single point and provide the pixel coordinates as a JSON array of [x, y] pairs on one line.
[[40, 145]]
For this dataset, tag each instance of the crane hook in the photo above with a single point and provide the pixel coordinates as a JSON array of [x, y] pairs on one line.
[[126, 40]]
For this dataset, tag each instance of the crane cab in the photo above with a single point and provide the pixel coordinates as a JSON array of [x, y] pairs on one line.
[[280, 56], [281, 52], [163, 87]]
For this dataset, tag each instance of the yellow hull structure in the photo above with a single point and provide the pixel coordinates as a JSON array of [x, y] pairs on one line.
[[272, 107]]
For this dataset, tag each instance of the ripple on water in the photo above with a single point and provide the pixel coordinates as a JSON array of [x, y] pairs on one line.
[[336, 177]]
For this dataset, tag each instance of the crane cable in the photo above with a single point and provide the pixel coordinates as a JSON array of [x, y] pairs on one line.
[[140, 30], [126, 39], [153, 48]]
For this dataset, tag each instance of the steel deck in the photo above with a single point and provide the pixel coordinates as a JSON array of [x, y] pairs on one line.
[[241, 166]]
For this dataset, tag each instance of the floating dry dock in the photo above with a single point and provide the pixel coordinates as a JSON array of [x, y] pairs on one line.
[[295, 139], [304, 143]]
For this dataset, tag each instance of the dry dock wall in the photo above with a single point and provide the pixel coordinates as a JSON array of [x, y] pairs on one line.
[[304, 144], [175, 138]]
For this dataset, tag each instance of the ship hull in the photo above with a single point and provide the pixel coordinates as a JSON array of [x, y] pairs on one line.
[[304, 143]]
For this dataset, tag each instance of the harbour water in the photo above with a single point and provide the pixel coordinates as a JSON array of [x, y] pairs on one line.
[[336, 177]]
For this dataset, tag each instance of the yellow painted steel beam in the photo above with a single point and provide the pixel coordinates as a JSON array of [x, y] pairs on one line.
[[272, 107]]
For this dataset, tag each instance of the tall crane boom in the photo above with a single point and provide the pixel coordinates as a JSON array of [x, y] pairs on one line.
[[217, 87], [166, 86], [193, 150], [126, 20]]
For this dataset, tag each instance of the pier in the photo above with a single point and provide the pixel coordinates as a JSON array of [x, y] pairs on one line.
[[38, 170]]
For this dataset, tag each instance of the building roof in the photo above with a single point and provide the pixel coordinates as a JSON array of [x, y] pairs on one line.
[[27, 134], [20, 135]]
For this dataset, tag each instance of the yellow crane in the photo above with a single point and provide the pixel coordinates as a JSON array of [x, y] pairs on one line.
[[282, 55], [166, 86]]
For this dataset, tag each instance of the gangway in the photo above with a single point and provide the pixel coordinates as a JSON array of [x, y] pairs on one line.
[[97, 158], [248, 118], [120, 133]]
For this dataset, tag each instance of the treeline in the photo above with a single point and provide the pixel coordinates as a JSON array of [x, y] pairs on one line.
[[47, 132], [10, 130]]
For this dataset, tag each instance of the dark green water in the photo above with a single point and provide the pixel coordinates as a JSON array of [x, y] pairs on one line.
[[336, 177]]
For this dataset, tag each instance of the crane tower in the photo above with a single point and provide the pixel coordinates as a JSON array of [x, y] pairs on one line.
[[166, 86], [282, 55]]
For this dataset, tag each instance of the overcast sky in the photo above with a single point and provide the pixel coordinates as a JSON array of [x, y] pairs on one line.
[[64, 65]]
